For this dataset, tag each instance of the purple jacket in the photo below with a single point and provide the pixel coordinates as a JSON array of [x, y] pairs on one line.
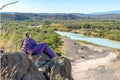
[[30, 44]]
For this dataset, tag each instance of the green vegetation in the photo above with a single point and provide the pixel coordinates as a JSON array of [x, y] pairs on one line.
[[104, 29], [11, 32]]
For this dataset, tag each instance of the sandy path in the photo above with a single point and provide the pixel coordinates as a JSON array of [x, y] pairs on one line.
[[92, 62]]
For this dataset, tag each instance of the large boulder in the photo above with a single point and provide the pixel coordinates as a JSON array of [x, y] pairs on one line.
[[61, 70], [17, 66], [57, 69]]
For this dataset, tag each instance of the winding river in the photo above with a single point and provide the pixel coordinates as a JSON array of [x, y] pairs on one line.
[[98, 41]]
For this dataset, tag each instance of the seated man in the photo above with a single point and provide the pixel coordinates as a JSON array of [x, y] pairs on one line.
[[30, 47]]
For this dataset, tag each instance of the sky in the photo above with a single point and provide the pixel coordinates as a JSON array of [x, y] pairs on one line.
[[61, 6]]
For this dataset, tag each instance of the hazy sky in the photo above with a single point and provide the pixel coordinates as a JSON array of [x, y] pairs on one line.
[[62, 6]]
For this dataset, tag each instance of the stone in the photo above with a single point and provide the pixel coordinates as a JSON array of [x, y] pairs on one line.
[[17, 66], [61, 70]]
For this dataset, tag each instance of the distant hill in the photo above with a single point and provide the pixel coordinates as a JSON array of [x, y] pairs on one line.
[[38, 16], [109, 12], [59, 16]]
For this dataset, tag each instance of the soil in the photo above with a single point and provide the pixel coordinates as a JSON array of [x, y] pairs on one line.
[[90, 61]]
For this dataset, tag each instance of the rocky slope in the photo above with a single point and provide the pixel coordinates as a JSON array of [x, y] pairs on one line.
[[92, 62]]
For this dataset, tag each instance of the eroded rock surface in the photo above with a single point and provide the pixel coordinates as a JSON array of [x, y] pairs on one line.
[[17, 66]]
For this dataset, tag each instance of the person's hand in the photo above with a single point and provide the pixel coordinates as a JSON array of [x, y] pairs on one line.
[[30, 54]]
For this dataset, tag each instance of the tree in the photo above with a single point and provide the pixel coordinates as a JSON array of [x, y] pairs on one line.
[[8, 4]]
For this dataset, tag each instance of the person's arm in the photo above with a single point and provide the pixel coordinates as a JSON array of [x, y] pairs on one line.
[[30, 53], [27, 46]]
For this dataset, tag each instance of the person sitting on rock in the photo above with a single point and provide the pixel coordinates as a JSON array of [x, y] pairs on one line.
[[30, 47]]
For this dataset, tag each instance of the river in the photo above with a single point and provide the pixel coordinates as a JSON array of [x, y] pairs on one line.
[[98, 41]]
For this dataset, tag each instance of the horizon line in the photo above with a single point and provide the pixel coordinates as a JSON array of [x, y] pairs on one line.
[[60, 12]]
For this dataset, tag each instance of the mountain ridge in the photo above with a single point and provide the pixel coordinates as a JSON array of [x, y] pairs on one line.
[[108, 12], [59, 16]]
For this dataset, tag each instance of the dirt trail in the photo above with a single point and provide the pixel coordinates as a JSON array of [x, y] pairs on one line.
[[92, 62]]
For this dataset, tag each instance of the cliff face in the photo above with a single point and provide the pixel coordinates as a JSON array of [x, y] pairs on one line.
[[17, 66]]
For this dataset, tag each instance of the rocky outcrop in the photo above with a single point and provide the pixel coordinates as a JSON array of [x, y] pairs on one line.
[[61, 70], [17, 66]]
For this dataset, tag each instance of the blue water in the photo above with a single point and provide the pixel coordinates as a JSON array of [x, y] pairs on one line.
[[98, 41]]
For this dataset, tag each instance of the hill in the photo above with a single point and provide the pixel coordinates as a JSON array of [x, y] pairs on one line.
[[38, 16], [109, 12], [56, 16]]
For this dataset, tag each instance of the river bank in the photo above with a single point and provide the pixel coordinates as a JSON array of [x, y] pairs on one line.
[[94, 40], [91, 62]]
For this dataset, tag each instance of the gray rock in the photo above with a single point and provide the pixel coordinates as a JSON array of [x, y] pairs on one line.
[[17, 66], [57, 69], [61, 70]]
